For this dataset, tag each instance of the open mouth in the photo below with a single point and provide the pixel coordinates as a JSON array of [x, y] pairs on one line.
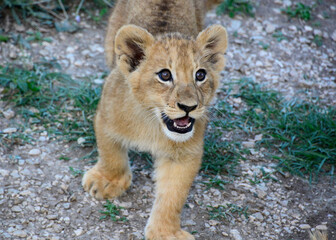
[[179, 125]]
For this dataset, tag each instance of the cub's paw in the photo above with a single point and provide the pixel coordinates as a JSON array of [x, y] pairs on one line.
[[102, 186], [152, 234]]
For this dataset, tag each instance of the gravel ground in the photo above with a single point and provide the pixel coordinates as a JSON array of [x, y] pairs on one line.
[[41, 199]]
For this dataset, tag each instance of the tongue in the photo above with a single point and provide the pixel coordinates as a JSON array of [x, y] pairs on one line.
[[182, 122]]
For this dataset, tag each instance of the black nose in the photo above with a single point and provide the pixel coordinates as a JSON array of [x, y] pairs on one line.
[[186, 108]]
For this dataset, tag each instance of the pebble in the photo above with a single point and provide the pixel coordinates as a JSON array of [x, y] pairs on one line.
[[20, 233], [304, 226], [322, 227], [81, 140], [9, 114], [78, 232], [333, 36], [34, 152], [16, 209], [248, 144], [235, 234], [9, 130]]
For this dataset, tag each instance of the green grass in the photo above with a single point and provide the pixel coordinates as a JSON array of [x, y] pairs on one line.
[[298, 11], [113, 212], [227, 212], [263, 177], [300, 135], [54, 12], [279, 36], [63, 106], [76, 172], [233, 7]]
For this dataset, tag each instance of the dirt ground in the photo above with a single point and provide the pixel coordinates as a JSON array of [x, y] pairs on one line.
[[41, 199]]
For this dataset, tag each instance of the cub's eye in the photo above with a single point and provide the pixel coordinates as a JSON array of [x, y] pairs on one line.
[[165, 75], [200, 75]]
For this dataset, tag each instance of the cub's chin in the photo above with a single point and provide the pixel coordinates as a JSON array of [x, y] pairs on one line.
[[179, 129]]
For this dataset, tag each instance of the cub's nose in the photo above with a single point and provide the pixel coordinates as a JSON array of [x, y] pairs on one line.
[[186, 108]]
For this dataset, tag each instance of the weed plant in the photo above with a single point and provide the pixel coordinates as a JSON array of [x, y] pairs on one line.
[[233, 7], [227, 212], [298, 11], [113, 212]]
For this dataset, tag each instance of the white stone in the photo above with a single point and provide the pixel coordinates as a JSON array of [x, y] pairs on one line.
[[16, 209], [9, 130], [249, 144], [308, 28], [34, 152], [98, 81], [20, 233], [333, 36], [258, 216], [79, 232], [270, 28], [322, 227], [235, 25], [4, 172], [258, 137], [81, 140], [235, 234], [9, 113]]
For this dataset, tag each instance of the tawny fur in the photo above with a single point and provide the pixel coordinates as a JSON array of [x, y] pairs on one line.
[[134, 99], [317, 235]]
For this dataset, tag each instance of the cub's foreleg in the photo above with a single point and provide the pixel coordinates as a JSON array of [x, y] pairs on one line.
[[111, 176], [173, 180]]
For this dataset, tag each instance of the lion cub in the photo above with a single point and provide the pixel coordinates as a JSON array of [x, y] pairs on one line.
[[155, 99]]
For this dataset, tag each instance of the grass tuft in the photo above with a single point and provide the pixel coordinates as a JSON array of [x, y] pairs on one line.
[[227, 212], [233, 7], [299, 11], [113, 212], [302, 134], [64, 106]]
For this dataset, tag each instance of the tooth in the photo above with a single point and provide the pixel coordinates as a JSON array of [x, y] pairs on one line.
[[175, 125]]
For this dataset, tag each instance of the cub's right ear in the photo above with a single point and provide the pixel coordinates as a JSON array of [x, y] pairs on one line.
[[130, 46]]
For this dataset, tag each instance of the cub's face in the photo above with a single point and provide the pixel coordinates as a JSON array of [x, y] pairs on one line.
[[172, 77]]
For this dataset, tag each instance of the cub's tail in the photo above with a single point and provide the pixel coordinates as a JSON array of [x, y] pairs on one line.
[[317, 235]]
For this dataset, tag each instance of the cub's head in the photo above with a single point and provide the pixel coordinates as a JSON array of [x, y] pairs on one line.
[[173, 77]]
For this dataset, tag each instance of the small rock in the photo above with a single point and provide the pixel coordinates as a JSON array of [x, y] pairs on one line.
[[79, 232], [225, 234], [258, 137], [235, 25], [333, 36], [322, 227], [317, 32], [270, 28], [308, 28], [52, 217], [96, 48], [34, 152], [248, 144], [98, 81], [235, 234], [9, 130], [261, 194], [214, 222], [81, 140], [304, 226], [9, 114], [16, 209], [258, 216], [20, 233], [4, 172], [189, 223]]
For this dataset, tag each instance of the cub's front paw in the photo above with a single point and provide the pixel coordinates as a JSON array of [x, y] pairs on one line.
[[102, 186], [157, 234]]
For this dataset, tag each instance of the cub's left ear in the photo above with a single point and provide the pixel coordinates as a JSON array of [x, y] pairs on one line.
[[213, 42], [130, 47]]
